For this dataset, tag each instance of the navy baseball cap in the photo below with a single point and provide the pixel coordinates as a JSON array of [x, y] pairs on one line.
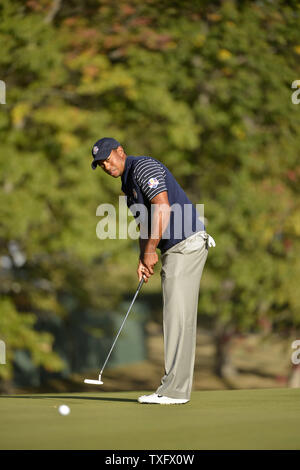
[[102, 148]]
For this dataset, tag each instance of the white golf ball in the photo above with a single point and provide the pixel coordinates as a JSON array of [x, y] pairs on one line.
[[64, 410]]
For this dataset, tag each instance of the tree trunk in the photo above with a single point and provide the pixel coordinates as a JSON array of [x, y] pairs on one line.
[[224, 367], [294, 378]]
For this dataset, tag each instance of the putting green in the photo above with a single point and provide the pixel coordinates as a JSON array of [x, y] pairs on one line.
[[223, 419]]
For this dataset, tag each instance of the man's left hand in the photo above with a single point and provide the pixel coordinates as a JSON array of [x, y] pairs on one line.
[[150, 260]]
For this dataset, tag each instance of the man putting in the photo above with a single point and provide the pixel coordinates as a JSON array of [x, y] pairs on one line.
[[168, 222]]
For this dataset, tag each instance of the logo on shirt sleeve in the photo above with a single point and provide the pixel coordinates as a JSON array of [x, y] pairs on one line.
[[134, 193], [153, 183]]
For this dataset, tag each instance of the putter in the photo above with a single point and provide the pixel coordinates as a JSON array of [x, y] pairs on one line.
[[99, 381]]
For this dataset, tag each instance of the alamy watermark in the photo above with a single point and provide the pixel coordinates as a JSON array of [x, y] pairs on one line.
[[183, 222], [295, 94], [2, 92], [2, 352], [295, 358]]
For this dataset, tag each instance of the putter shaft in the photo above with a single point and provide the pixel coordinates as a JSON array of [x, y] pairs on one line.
[[133, 300]]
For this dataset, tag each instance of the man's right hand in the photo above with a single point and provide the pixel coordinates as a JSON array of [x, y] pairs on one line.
[[142, 271]]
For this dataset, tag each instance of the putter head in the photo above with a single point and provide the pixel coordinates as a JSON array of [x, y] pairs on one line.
[[95, 382]]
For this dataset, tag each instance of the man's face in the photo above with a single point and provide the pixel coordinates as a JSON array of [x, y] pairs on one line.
[[115, 163]]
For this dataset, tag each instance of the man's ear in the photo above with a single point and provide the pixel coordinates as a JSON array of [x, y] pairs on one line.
[[120, 151]]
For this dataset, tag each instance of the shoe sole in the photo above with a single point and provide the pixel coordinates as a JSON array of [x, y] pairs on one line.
[[155, 403]]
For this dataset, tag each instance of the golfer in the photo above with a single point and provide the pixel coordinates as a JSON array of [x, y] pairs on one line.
[[168, 221]]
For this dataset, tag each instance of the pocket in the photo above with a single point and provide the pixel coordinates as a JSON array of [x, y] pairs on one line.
[[194, 245], [190, 245]]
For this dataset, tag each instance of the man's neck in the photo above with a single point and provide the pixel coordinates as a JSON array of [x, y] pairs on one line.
[[124, 164]]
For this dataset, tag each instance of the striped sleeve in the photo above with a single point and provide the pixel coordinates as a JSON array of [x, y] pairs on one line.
[[150, 176]]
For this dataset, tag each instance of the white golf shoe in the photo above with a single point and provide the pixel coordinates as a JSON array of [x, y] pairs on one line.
[[161, 400]]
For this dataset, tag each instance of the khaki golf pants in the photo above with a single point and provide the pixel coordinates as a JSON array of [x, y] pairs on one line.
[[181, 272]]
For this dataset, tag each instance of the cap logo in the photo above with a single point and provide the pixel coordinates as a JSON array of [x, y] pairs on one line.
[[95, 149], [153, 183]]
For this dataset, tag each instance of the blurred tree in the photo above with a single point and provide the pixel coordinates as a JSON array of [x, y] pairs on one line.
[[204, 87]]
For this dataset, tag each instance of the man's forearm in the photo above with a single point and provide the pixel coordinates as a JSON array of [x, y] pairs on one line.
[[160, 221]]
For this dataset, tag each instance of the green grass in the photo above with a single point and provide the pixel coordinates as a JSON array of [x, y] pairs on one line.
[[223, 419]]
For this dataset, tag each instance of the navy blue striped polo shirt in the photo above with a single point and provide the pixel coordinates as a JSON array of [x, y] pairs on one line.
[[145, 177]]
